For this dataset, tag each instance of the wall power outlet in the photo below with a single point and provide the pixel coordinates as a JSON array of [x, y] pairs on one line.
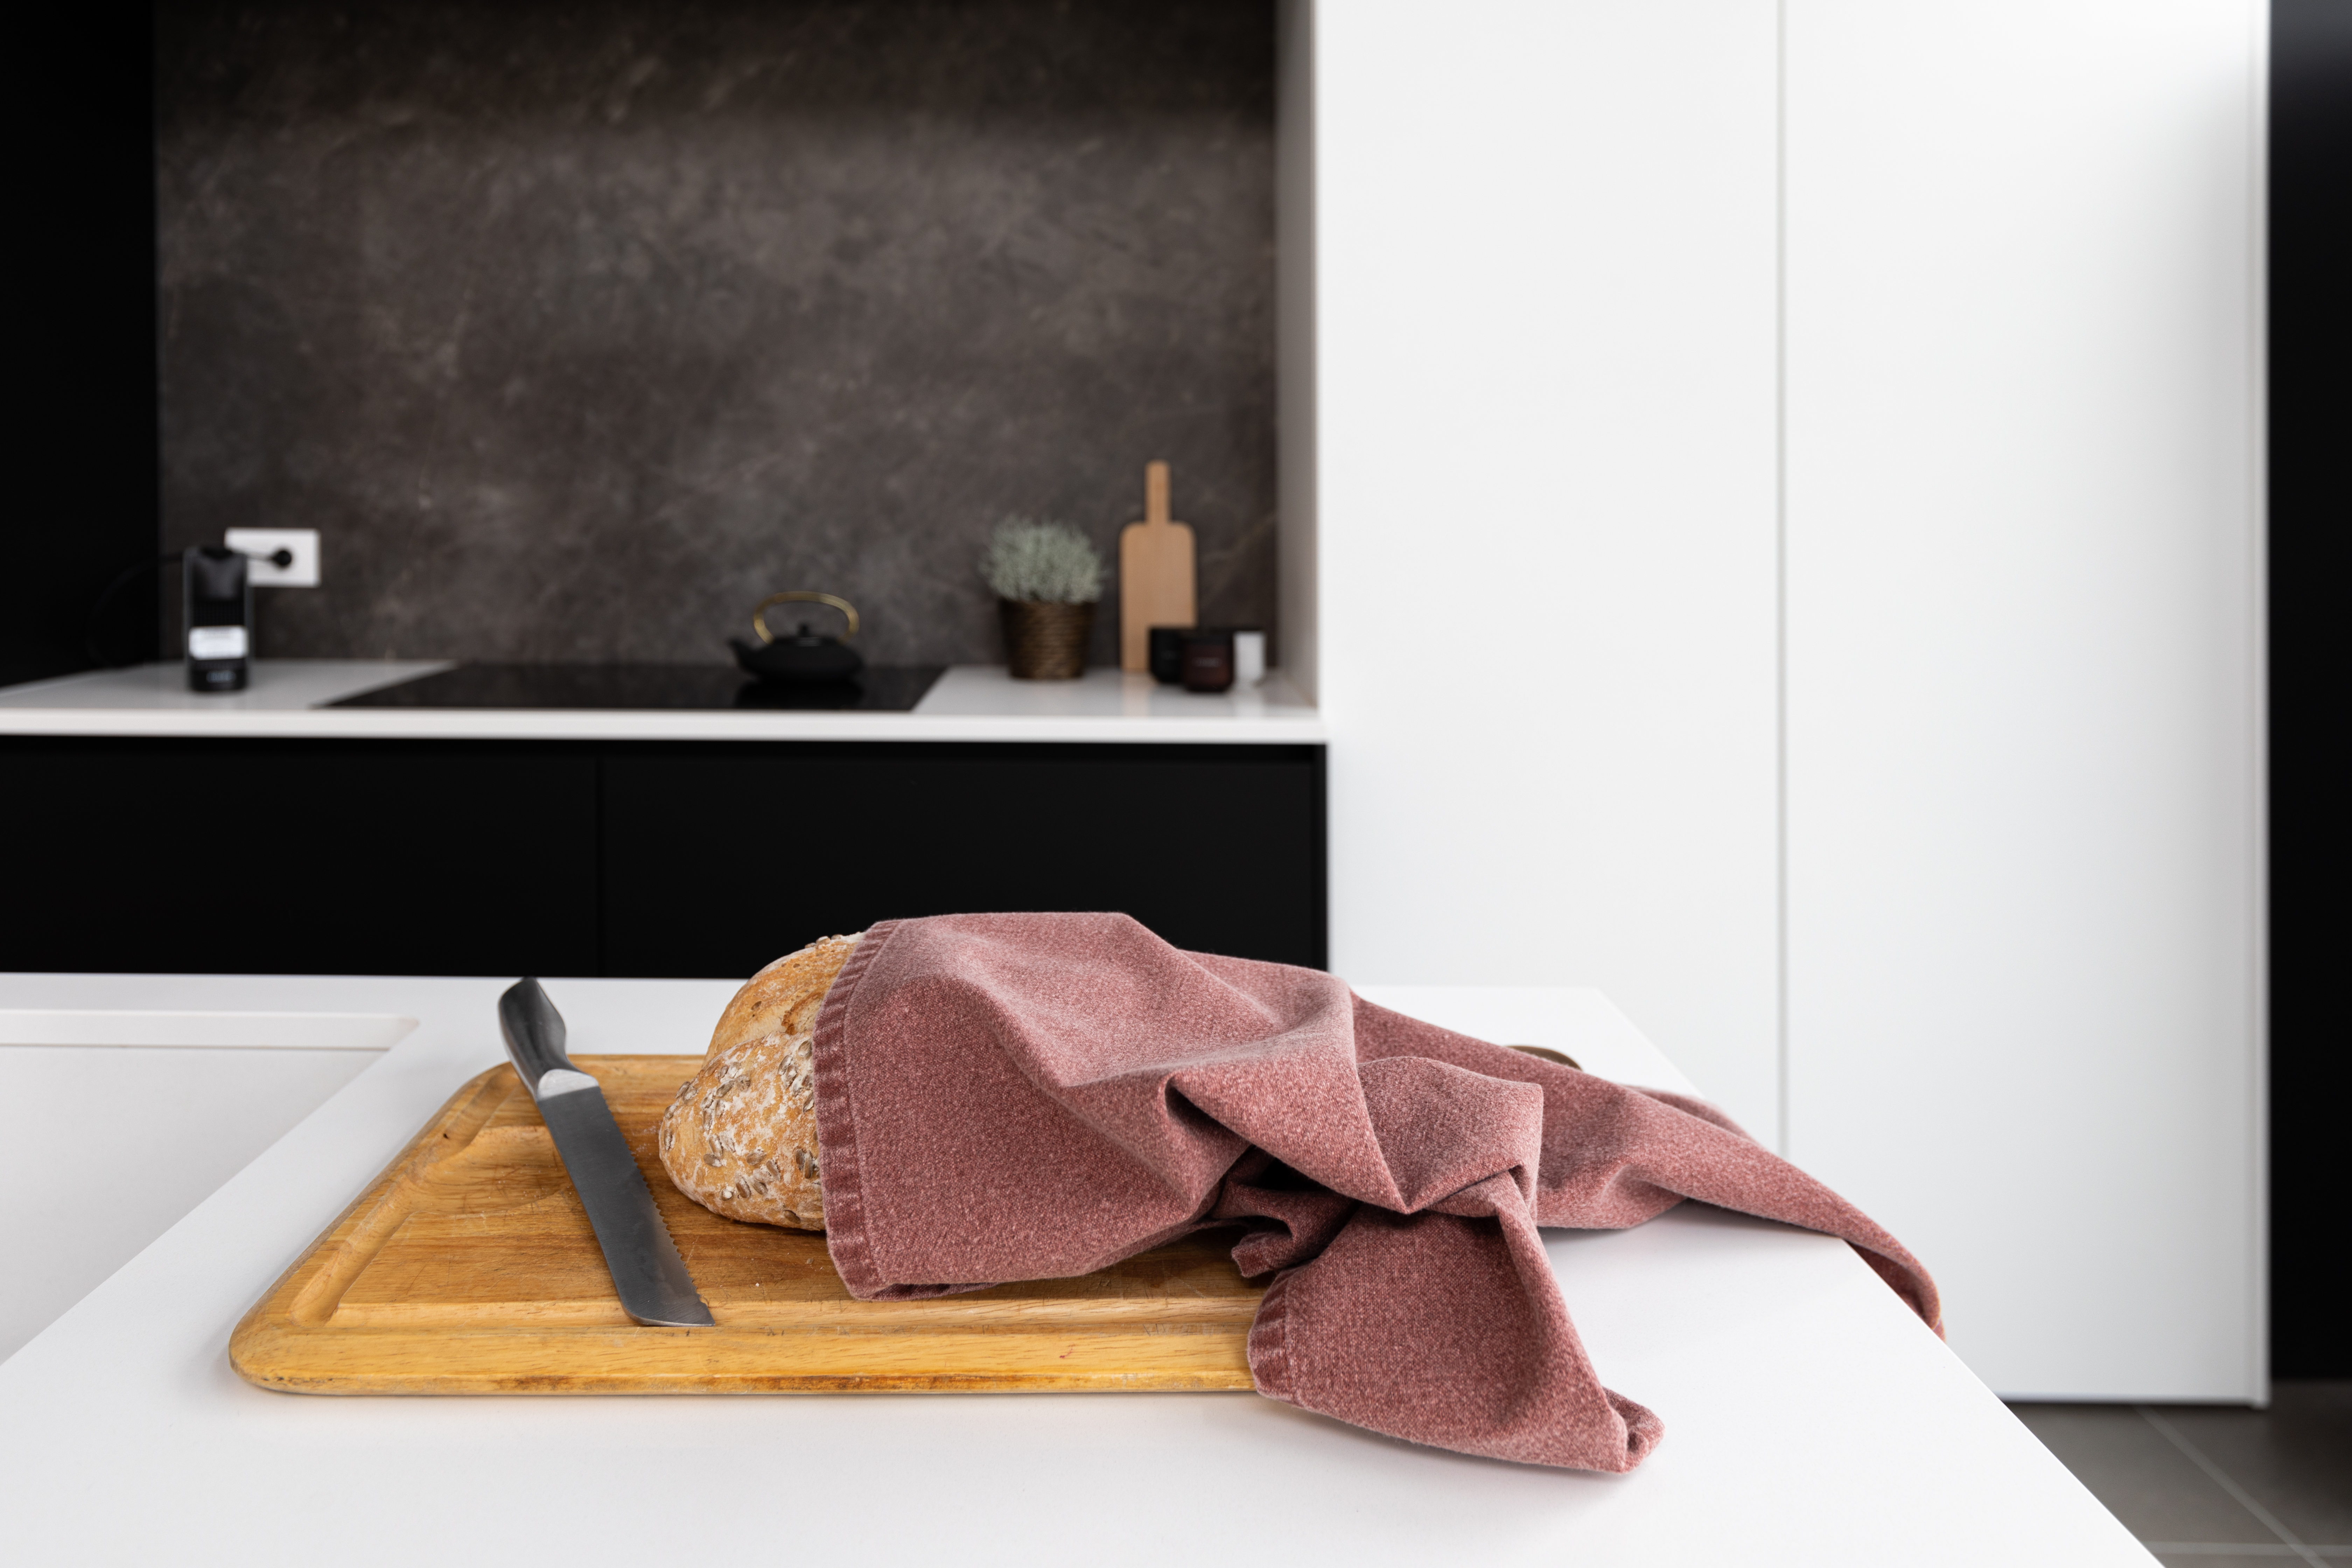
[[303, 542]]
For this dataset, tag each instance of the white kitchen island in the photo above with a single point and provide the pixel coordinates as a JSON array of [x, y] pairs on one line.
[[1809, 1417]]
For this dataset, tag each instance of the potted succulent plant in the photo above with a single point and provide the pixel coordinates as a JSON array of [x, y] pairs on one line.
[[1046, 578]]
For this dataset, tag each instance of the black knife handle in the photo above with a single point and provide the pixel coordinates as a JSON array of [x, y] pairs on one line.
[[534, 1032]]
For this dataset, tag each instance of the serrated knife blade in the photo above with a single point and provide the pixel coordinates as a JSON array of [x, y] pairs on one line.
[[656, 1288]]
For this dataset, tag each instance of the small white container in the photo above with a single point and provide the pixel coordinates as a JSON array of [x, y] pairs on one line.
[[1249, 658]]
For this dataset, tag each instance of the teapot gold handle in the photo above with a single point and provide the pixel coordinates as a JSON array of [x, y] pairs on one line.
[[801, 597]]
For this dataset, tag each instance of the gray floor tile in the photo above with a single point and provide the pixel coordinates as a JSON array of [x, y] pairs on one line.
[[2294, 1459], [2284, 1559], [2157, 1491]]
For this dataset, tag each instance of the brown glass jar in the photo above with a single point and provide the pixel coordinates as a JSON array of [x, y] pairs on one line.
[[1208, 658]]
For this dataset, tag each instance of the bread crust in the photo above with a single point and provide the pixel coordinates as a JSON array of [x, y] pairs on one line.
[[741, 1137]]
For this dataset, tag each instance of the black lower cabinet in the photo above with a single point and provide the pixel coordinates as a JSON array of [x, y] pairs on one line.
[[298, 858], [717, 859], [639, 859]]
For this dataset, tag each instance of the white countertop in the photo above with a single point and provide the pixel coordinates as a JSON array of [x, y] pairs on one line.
[[969, 703], [1809, 1417], [128, 695]]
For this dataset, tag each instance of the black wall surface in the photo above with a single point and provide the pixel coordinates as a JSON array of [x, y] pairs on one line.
[[2311, 579], [83, 483], [580, 326]]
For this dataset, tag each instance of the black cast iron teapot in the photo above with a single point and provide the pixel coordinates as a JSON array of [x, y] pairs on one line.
[[801, 657]]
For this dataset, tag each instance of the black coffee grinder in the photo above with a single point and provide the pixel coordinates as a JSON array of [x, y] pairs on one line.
[[217, 594]]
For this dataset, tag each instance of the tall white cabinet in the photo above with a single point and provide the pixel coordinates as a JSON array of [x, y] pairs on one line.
[[2022, 609], [1771, 516], [1544, 383]]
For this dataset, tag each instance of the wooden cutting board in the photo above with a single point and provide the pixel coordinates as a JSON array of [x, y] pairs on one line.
[[468, 1267], [1155, 573]]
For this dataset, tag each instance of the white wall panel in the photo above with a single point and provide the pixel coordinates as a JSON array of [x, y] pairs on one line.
[[1544, 537], [2023, 533]]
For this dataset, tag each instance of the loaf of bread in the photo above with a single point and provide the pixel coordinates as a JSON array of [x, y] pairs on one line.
[[741, 1137]]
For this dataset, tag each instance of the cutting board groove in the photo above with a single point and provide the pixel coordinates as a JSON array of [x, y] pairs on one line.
[[468, 1267]]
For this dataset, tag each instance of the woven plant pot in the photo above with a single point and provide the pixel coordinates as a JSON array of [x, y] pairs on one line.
[[1043, 641]]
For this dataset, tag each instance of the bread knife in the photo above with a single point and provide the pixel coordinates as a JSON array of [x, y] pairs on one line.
[[656, 1288]]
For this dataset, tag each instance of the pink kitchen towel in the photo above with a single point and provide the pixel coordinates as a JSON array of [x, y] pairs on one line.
[[1037, 1096]]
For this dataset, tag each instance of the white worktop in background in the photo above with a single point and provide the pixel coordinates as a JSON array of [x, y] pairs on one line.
[[288, 698], [144, 693], [1809, 1417]]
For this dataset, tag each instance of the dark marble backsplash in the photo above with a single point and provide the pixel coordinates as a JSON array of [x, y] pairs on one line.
[[578, 328]]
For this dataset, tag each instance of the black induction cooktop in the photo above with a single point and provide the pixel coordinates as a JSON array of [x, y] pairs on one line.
[[888, 688]]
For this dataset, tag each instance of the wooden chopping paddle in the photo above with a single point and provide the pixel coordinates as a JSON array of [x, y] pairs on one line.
[[1155, 573]]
